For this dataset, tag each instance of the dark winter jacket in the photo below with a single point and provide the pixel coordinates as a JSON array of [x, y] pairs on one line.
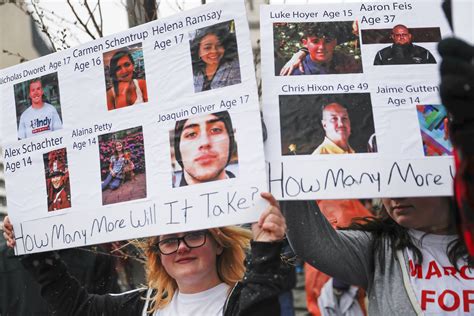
[[20, 294], [256, 294], [403, 55]]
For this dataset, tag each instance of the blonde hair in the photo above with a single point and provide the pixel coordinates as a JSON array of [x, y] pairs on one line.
[[230, 263]]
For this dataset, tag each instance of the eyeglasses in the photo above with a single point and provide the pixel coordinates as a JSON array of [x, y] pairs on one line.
[[191, 240]]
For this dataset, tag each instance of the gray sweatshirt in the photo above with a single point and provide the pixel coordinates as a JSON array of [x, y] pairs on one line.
[[348, 256]]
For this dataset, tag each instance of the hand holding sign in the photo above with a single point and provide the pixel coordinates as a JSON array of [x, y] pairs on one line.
[[8, 232], [271, 225]]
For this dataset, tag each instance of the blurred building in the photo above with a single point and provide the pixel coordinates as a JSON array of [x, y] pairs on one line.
[[20, 38]]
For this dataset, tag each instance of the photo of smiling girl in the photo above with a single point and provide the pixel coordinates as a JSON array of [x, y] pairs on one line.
[[215, 57], [122, 165], [125, 77]]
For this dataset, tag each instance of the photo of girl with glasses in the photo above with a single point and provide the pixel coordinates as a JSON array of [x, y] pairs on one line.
[[192, 273]]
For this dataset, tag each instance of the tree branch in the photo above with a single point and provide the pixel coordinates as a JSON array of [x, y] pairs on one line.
[[43, 27], [50, 16], [121, 255], [178, 5], [100, 15], [9, 53], [92, 17], [86, 28]]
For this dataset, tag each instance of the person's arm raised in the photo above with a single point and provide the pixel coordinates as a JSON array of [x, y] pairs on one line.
[[271, 225], [346, 255], [266, 275]]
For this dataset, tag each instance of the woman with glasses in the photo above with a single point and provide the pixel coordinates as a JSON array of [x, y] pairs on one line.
[[192, 273]]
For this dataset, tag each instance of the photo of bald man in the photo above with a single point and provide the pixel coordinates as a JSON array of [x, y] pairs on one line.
[[337, 126], [403, 51], [327, 124]]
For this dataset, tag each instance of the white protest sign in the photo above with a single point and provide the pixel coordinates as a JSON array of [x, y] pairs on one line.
[[463, 23], [364, 117], [151, 131]]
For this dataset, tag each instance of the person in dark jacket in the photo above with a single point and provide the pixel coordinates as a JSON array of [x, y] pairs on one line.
[[20, 294], [457, 94], [193, 273], [403, 51]]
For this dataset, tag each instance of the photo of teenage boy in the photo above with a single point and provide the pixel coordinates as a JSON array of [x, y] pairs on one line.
[[317, 48], [204, 147], [215, 57], [40, 116], [125, 77], [403, 51], [122, 162], [57, 180], [326, 124]]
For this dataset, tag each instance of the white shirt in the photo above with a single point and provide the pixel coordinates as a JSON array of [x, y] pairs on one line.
[[439, 288], [39, 121], [207, 303]]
